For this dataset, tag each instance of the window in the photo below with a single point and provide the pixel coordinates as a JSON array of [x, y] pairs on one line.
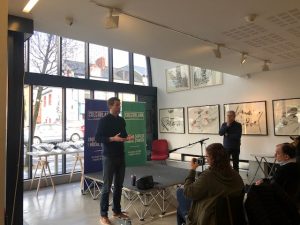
[[25, 56], [73, 58], [26, 130], [43, 50], [49, 99], [140, 70], [120, 66], [75, 112], [127, 97], [103, 95], [47, 124], [98, 60]]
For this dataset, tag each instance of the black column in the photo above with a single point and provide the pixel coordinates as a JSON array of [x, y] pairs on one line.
[[18, 30], [15, 149]]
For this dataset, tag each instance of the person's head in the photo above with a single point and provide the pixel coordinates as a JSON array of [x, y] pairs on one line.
[[230, 116], [217, 157], [285, 152], [114, 105]]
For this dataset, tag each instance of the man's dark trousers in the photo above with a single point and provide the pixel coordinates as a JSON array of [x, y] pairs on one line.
[[113, 170], [235, 155]]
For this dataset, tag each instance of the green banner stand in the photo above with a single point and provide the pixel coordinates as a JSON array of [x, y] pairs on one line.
[[135, 151]]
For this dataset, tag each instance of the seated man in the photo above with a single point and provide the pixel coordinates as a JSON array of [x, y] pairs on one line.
[[219, 180], [287, 174]]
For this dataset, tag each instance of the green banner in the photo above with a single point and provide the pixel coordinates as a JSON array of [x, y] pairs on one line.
[[134, 115]]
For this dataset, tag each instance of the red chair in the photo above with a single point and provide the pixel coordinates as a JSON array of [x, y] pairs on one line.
[[160, 150]]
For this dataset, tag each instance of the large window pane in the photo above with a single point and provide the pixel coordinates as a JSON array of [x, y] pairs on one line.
[[25, 56], [75, 110], [26, 130], [98, 60], [43, 50], [47, 123], [73, 58], [127, 97], [140, 70], [120, 66], [103, 95]]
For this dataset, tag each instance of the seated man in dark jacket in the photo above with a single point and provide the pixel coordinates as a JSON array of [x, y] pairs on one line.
[[287, 174]]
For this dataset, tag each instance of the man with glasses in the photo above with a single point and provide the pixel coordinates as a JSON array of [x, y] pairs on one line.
[[232, 132]]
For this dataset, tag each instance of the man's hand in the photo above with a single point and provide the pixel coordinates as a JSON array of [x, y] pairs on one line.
[[194, 164], [228, 123], [130, 137], [117, 138]]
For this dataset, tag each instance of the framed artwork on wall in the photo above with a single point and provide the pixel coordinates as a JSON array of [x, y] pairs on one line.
[[171, 120], [202, 77], [252, 116], [286, 117], [204, 119], [178, 78]]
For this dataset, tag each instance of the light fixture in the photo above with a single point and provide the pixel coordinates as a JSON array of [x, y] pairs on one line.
[[266, 67], [28, 7], [112, 21], [244, 57], [250, 18], [217, 51]]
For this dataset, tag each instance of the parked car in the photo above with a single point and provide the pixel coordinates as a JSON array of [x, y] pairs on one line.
[[53, 133]]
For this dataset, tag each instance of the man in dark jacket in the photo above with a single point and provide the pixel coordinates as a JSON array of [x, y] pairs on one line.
[[111, 133], [232, 132], [287, 174]]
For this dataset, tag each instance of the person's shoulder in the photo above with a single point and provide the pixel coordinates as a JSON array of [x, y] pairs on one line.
[[237, 123]]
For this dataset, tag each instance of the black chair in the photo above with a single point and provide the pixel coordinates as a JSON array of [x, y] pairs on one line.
[[270, 205], [230, 210]]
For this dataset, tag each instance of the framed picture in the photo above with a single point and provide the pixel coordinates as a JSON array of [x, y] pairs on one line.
[[178, 78], [204, 119], [202, 77], [252, 116], [171, 120], [286, 117]]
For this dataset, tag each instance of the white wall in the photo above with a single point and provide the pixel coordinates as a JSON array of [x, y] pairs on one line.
[[264, 86], [3, 103]]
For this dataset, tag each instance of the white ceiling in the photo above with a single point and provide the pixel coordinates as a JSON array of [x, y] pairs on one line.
[[274, 35]]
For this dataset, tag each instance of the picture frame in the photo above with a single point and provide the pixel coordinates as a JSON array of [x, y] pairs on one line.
[[178, 78], [286, 117], [202, 77], [203, 119], [252, 116], [171, 120]]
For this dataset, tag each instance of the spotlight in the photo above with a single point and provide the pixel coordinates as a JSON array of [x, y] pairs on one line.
[[112, 21], [244, 57], [217, 51], [266, 67]]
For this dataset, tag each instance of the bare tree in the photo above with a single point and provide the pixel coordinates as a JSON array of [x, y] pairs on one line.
[[43, 58]]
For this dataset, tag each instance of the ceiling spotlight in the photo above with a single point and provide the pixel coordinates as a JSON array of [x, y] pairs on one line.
[[250, 18], [217, 51], [30, 4], [112, 21], [266, 67], [244, 57]]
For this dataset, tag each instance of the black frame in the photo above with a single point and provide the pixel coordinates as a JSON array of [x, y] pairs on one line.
[[183, 117], [273, 101], [188, 118], [266, 134]]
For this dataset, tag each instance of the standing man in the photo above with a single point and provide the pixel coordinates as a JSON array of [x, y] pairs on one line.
[[111, 133], [232, 132]]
